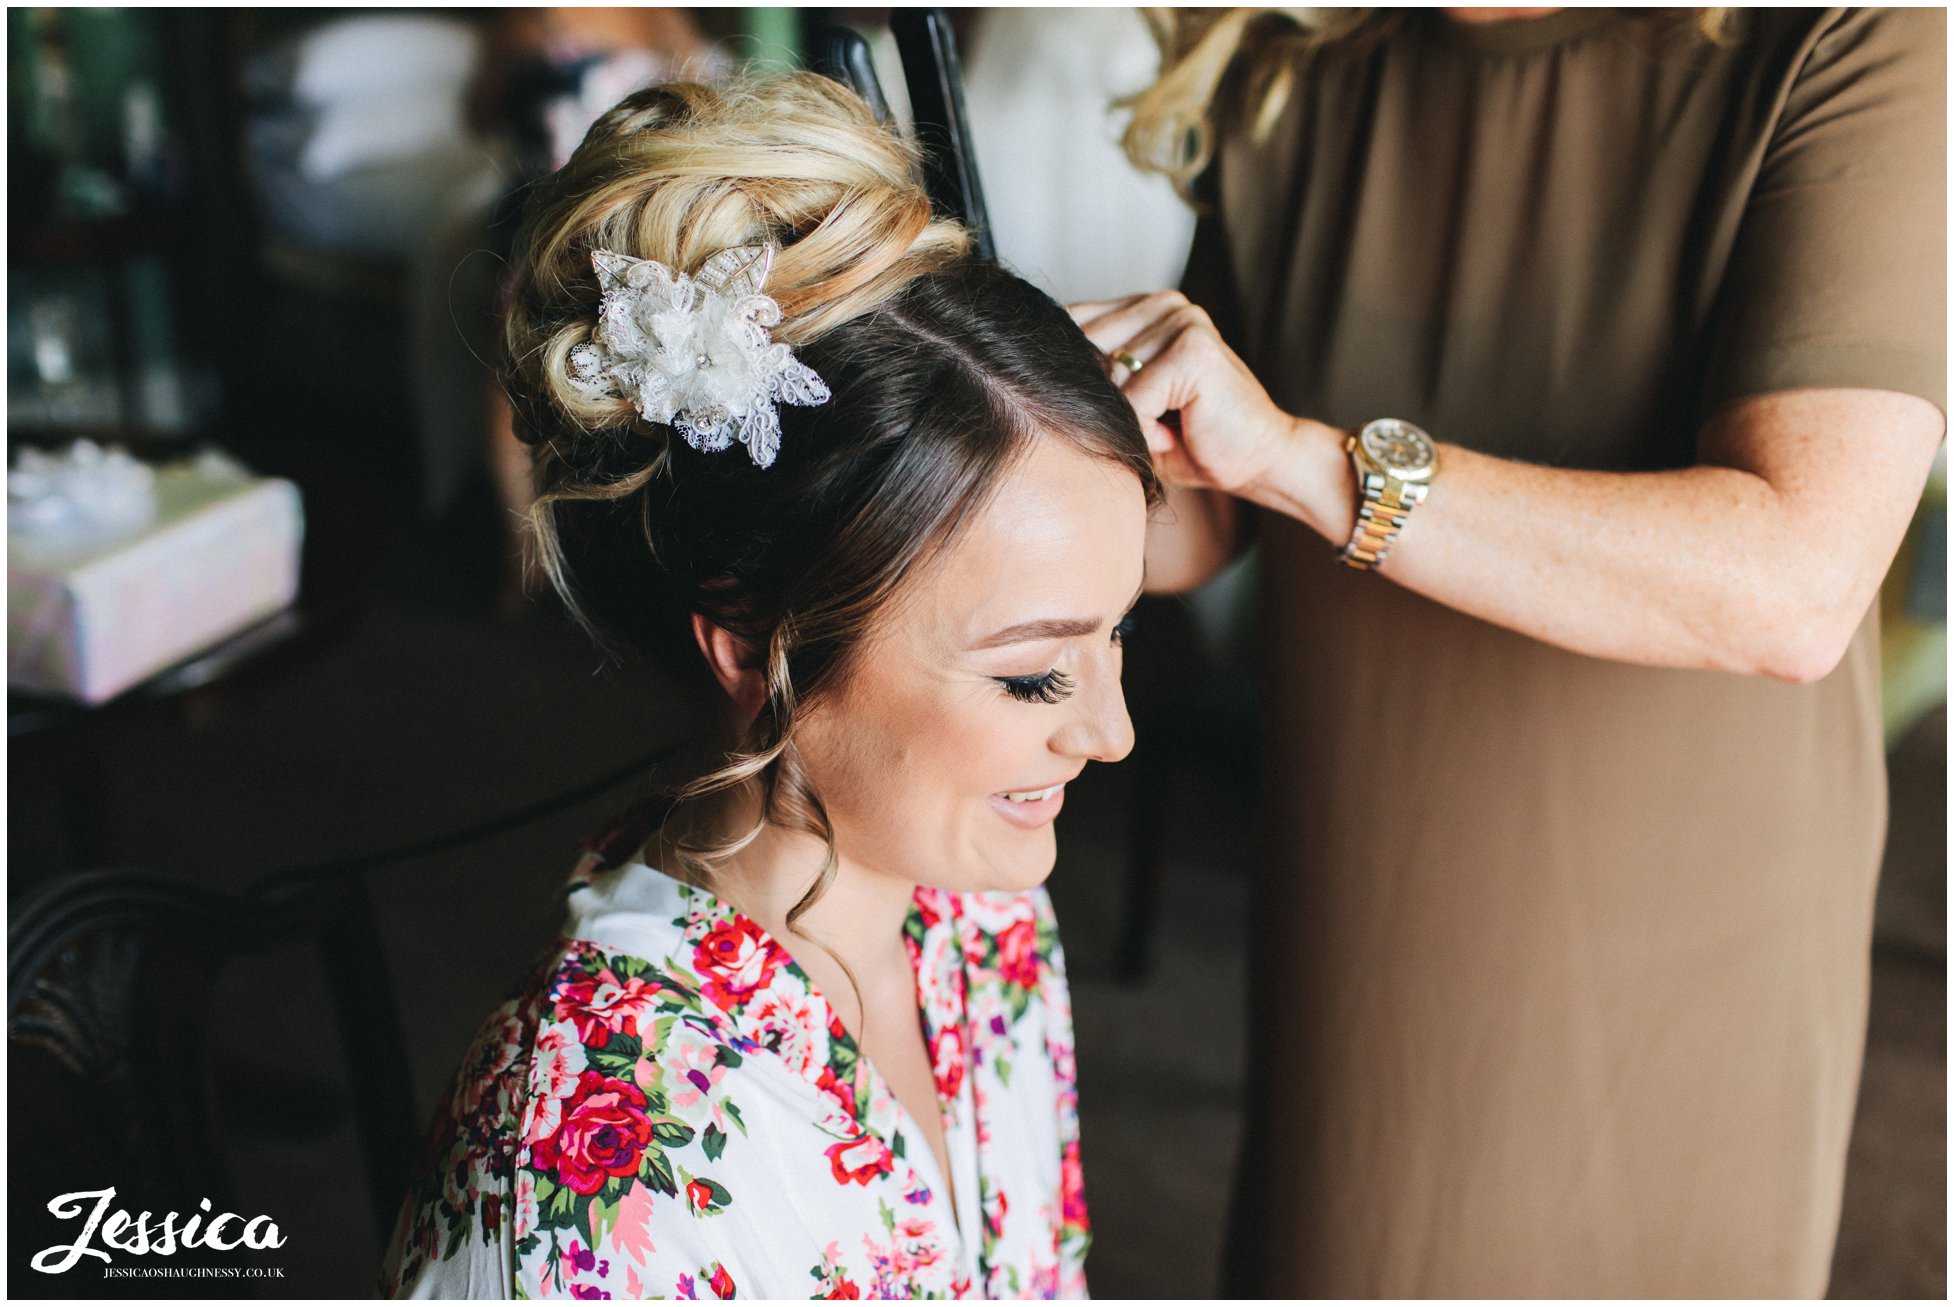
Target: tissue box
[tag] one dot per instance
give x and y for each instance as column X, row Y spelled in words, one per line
column 88, row 617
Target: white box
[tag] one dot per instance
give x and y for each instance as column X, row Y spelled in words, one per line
column 89, row 619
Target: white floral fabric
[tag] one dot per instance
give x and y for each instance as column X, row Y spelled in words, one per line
column 669, row 1108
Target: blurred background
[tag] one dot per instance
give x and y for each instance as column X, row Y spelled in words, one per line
column 298, row 764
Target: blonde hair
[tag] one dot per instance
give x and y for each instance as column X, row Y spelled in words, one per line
column 942, row 368
column 681, row 171
column 676, row 173
column 1174, row 121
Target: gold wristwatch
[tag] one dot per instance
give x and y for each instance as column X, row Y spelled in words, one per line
column 1395, row 463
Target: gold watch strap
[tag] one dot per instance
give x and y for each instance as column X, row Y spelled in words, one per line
column 1380, row 516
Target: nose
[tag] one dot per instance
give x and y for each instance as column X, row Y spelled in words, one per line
column 1099, row 727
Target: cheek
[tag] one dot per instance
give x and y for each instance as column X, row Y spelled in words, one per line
column 913, row 760
column 983, row 743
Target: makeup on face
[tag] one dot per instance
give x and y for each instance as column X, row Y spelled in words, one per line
column 946, row 758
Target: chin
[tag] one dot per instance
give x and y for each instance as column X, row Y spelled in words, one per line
column 1016, row 870
column 989, row 862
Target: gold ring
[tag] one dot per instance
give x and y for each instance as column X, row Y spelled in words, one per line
column 1127, row 361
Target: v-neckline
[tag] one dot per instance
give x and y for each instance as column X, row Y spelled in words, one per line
column 930, row 910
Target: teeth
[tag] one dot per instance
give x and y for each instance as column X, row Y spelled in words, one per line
column 1033, row 796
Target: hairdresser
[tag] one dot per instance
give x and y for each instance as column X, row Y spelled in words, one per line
column 1579, row 371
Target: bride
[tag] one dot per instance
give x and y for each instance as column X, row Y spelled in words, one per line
column 881, row 501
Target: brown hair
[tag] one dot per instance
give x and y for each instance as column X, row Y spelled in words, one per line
column 943, row 370
column 1172, row 130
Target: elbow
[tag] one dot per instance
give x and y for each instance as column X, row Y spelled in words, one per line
column 1806, row 662
column 1807, row 648
column 1794, row 623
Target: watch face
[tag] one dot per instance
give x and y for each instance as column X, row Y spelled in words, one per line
column 1400, row 448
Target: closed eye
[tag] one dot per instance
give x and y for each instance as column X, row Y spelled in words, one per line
column 1054, row 685
column 1046, row 687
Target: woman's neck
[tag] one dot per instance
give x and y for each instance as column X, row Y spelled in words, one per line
column 859, row 916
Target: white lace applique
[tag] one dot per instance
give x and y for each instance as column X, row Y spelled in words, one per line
column 696, row 352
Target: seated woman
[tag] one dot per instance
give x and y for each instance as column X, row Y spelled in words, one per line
column 881, row 500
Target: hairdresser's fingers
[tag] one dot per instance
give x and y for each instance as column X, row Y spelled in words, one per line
column 1153, row 339
column 1119, row 323
column 1170, row 459
column 1084, row 311
column 1228, row 427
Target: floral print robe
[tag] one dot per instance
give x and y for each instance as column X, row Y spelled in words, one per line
column 668, row 1108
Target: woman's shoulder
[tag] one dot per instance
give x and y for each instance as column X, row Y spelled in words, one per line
column 597, row 1089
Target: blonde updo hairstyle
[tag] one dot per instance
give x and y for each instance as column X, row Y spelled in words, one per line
column 943, row 368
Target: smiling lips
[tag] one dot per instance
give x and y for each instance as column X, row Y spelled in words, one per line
column 1030, row 808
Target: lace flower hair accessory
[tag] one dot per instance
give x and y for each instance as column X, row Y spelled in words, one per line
column 696, row 352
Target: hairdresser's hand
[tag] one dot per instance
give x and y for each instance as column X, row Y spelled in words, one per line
column 1207, row 419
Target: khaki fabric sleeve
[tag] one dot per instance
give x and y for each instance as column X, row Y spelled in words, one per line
column 1838, row 276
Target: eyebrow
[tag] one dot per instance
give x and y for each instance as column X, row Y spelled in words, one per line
column 1049, row 628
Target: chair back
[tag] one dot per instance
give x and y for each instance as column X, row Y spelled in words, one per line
column 111, row 994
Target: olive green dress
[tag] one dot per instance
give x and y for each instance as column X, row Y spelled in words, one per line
column 1562, row 964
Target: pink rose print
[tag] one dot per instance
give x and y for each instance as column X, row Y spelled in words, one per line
column 572, row 1081
column 1072, row 1188
column 601, row 1004
column 559, row 1066
column 834, row 1283
column 859, row 1160
column 946, row 1061
column 604, row 1134
column 734, row 961
column 694, row 1073
column 527, row 1213
column 706, row 1196
column 843, row 1091
column 1017, row 954
column 498, row 1054
column 994, row 1206
column 793, row 1029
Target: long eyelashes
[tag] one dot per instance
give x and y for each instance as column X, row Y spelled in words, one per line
column 1052, row 686
column 1046, row 687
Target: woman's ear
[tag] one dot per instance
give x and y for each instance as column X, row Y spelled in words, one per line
column 739, row 668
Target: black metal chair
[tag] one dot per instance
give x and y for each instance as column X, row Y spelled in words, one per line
column 110, row 979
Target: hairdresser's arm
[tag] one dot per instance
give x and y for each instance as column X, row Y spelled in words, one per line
column 1192, row 536
column 1762, row 558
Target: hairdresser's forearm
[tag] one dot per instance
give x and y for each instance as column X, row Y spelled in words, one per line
column 1703, row 567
